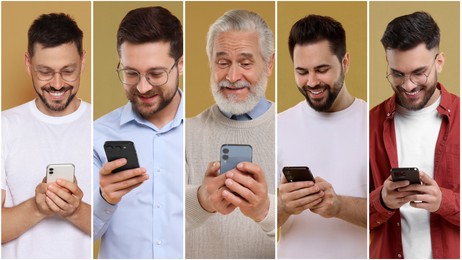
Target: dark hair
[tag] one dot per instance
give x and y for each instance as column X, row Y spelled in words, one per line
column 408, row 31
column 315, row 28
column 151, row 24
column 51, row 30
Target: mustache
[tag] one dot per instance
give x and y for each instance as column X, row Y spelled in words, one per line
column 412, row 90
column 150, row 93
column 238, row 84
column 315, row 88
column 51, row 88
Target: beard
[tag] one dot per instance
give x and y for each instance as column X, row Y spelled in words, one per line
column 231, row 103
column 415, row 105
column 56, row 105
column 146, row 110
column 324, row 104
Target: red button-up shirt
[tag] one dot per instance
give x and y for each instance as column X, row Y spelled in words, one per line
column 385, row 225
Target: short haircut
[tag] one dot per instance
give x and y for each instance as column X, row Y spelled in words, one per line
column 52, row 30
column 242, row 20
column 149, row 25
column 408, row 31
column 315, row 28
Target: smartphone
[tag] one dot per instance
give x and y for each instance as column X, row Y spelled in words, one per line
column 232, row 154
column 60, row 171
column 122, row 149
column 408, row 173
column 297, row 173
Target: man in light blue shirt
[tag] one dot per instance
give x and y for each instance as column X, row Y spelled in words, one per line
column 138, row 213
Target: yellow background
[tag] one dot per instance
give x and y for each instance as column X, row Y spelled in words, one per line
column 108, row 91
column 353, row 17
column 446, row 15
column 16, row 19
column 199, row 17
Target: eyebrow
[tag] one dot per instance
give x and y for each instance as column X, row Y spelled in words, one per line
column 241, row 55
column 152, row 68
column 322, row 66
column 419, row 69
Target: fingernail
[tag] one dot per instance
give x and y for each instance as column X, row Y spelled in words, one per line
column 214, row 163
column 59, row 181
column 225, row 193
column 240, row 165
column 229, row 182
column 229, row 174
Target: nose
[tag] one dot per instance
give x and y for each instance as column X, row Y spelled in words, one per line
column 143, row 86
column 408, row 85
column 57, row 81
column 234, row 74
column 312, row 80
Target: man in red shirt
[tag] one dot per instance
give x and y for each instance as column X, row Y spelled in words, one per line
column 419, row 126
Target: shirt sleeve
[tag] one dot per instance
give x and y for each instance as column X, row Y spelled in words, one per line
column 268, row 223
column 102, row 210
column 378, row 214
column 450, row 206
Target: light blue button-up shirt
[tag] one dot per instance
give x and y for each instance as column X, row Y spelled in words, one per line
column 148, row 221
column 262, row 106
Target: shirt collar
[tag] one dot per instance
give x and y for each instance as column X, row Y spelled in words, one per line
column 262, row 106
column 130, row 115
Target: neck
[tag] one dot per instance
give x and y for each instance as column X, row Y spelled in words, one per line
column 343, row 100
column 167, row 114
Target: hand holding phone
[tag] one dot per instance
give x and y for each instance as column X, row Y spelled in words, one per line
column 233, row 154
column 297, row 173
column 121, row 149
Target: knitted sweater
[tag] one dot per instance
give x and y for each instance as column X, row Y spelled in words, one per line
column 212, row 235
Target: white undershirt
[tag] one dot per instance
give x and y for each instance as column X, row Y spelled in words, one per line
column 416, row 136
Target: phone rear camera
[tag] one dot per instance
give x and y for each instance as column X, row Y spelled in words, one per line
column 124, row 147
column 226, row 150
column 118, row 147
column 225, row 157
column 51, row 169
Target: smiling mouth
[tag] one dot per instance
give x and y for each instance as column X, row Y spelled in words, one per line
column 412, row 93
column 54, row 93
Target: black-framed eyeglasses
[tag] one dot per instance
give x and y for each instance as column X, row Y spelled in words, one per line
column 66, row 75
column 398, row 79
column 155, row 77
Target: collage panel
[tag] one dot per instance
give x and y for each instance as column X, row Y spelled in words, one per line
column 414, row 130
column 322, row 130
column 46, row 130
column 138, row 130
column 230, row 142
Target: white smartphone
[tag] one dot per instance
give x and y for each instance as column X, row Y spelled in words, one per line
column 60, row 171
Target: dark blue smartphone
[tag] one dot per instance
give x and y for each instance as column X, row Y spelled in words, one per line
column 232, row 154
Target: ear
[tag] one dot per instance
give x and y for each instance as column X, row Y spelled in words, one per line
column 28, row 63
column 440, row 59
column 83, row 61
column 180, row 65
column 269, row 68
column 346, row 63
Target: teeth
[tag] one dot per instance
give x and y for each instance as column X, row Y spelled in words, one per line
column 316, row 92
column 412, row 93
column 56, row 94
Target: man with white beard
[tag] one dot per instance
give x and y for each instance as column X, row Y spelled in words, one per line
column 232, row 214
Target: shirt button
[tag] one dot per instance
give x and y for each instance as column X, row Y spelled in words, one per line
column 378, row 222
column 397, row 223
column 158, row 205
column 158, row 170
column 159, row 242
column 107, row 212
column 399, row 255
column 449, row 110
column 388, row 114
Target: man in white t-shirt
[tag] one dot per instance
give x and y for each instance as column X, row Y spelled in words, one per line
column 40, row 219
column 327, row 217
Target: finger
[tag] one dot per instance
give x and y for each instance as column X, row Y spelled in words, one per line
column 293, row 186
column 426, row 180
column 297, row 194
column 127, row 183
column 110, row 166
column 60, row 202
column 212, row 169
column 310, row 201
column 51, row 205
column 417, row 188
column 70, row 186
column 61, row 193
column 123, row 175
column 254, row 170
column 243, row 191
column 393, row 185
column 232, row 198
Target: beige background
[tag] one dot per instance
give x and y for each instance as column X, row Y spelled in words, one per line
column 108, row 91
column 446, row 15
column 16, row 20
column 353, row 17
column 199, row 17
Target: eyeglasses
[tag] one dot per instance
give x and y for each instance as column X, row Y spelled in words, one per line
column 398, row 79
column 155, row 77
column 66, row 75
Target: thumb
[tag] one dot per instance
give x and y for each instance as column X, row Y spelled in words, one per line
column 212, row 169
column 425, row 178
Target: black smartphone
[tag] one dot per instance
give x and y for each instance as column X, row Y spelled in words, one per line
column 407, row 173
column 122, row 149
column 232, row 154
column 297, row 173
